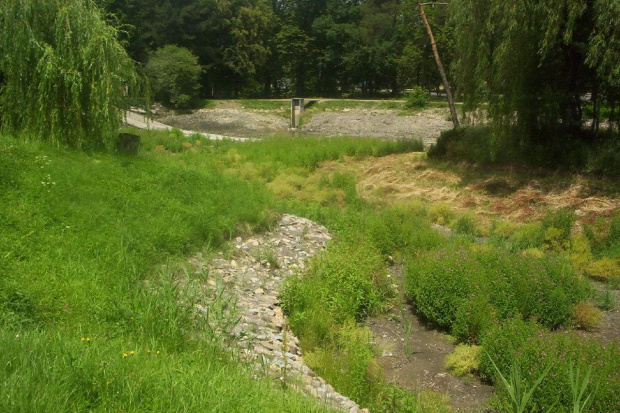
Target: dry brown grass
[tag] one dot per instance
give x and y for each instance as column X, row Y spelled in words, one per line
column 490, row 195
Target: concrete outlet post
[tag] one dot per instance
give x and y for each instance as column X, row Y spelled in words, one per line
column 297, row 108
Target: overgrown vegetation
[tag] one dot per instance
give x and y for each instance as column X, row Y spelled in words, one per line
column 89, row 318
column 577, row 152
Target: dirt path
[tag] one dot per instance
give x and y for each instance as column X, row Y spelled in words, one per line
column 413, row 357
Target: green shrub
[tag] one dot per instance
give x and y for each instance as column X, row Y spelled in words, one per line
column 534, row 350
column 580, row 252
column 528, row 236
column 586, row 315
column 416, row 98
column 348, row 363
column 464, row 290
column 557, row 227
column 349, row 282
column 174, row 74
column 465, row 224
column 440, row 213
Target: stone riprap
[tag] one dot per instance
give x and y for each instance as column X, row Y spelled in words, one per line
column 255, row 275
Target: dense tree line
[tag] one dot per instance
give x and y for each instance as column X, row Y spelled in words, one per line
column 285, row 47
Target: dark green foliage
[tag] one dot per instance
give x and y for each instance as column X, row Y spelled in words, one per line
column 534, row 350
column 514, row 67
column 66, row 74
column 174, row 74
column 465, row 290
column 576, row 152
column 416, row 98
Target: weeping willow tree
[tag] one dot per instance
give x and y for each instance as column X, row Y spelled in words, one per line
column 66, row 77
column 536, row 61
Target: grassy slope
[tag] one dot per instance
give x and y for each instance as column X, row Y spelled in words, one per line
column 82, row 236
column 85, row 304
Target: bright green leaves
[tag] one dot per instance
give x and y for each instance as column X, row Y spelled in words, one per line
column 67, row 77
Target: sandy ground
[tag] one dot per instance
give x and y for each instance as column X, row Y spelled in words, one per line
column 140, row 121
column 233, row 120
column 386, row 124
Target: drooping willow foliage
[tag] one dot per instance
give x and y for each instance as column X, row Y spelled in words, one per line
column 66, row 76
column 538, row 62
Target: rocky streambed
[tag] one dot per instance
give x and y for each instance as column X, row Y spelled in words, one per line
column 255, row 274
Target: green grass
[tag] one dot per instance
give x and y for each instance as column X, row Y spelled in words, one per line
column 93, row 245
column 83, row 240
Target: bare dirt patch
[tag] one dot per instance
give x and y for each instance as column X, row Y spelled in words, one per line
column 413, row 357
column 231, row 118
column 230, row 121
column 386, row 124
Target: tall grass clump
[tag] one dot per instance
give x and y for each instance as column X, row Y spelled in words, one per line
column 66, row 74
column 467, row 290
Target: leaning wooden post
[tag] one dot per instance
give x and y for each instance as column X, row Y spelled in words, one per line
column 442, row 72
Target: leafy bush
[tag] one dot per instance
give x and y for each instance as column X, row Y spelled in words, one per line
column 465, row 291
column 440, row 213
column 533, row 350
column 557, row 228
column 586, row 315
column 465, row 224
column 349, row 282
column 174, row 73
column 416, row 98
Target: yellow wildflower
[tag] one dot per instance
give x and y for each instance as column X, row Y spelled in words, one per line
column 124, row 355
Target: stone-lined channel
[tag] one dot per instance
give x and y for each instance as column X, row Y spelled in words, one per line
column 255, row 275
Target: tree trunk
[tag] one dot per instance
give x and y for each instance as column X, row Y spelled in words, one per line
column 442, row 72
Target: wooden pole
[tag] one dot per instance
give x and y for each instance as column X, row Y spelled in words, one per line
column 442, row 72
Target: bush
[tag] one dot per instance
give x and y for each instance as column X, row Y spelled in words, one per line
column 464, row 291
column 174, row 73
column 605, row 269
column 465, row 224
column 586, row 315
column 416, row 98
column 440, row 213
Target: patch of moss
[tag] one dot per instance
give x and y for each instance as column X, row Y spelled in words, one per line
column 606, row 269
column 464, row 361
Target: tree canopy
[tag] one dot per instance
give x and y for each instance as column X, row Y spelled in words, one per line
column 66, row 76
column 286, row 47
column 536, row 62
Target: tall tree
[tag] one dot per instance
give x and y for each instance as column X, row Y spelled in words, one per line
column 67, row 75
column 535, row 60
